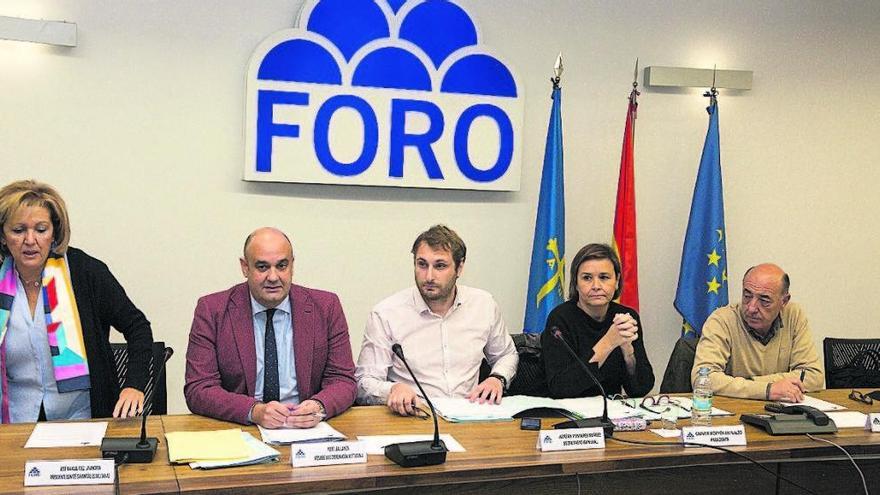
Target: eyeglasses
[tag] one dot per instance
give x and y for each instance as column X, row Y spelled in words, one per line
column 860, row 397
column 661, row 400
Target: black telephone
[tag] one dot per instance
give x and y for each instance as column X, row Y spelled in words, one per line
column 818, row 417
column 790, row 420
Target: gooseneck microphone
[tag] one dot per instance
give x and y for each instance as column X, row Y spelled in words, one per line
column 424, row 453
column 137, row 450
column 602, row 422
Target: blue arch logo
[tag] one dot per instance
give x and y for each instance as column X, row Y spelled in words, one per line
column 386, row 93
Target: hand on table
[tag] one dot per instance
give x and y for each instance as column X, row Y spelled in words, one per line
column 306, row 414
column 130, row 403
column 490, row 390
column 403, row 400
column 271, row 415
column 787, row 390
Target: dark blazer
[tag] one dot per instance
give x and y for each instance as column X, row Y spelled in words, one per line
column 102, row 303
column 221, row 361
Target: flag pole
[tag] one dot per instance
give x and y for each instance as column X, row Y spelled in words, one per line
column 546, row 286
column 712, row 93
column 624, row 233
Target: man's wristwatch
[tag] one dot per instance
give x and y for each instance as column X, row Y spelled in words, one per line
column 322, row 411
column 500, row 379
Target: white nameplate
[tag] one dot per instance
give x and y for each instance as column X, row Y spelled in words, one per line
column 326, row 453
column 69, row 472
column 714, row 435
column 873, row 422
column 571, row 439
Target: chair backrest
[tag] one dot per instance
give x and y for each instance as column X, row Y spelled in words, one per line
column 852, row 363
column 155, row 395
column 677, row 378
column 530, row 376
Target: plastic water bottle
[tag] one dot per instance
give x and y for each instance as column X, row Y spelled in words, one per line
column 701, row 408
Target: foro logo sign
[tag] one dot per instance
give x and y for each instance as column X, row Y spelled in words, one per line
column 382, row 92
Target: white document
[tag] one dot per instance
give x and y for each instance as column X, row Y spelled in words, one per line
column 375, row 444
column 322, row 432
column 85, row 434
column 674, row 433
column 848, row 419
column 457, row 409
column 682, row 406
column 592, row 407
column 817, row 403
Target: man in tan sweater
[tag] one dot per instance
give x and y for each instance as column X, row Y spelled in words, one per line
column 762, row 347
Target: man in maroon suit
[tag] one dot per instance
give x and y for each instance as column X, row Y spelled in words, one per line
column 267, row 351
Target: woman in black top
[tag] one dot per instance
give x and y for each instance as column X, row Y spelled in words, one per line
column 606, row 335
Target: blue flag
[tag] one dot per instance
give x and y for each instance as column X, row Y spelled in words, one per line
column 547, row 271
column 702, row 280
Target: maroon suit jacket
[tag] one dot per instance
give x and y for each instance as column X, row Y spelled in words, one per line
column 221, row 360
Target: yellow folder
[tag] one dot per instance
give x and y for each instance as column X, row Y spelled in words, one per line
column 195, row 446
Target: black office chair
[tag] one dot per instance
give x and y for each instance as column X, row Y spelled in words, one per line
column 530, row 376
column 677, row 378
column 155, row 395
column 852, row 363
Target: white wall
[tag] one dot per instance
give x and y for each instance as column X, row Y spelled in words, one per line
column 140, row 127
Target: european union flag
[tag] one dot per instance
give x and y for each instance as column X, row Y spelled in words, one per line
column 702, row 280
column 547, row 271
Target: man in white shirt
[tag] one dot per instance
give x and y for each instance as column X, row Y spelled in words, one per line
column 445, row 330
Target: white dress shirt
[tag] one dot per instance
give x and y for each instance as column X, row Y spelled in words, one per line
column 444, row 352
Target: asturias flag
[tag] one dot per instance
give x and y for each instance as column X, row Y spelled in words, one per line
column 547, row 271
column 625, row 213
column 702, row 281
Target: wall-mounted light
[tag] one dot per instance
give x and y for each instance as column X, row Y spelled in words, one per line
column 686, row 77
column 38, row 31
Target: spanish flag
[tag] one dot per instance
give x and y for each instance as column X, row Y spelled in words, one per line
column 625, row 213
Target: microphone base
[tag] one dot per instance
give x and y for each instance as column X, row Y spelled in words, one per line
column 414, row 454
column 117, row 448
column 606, row 425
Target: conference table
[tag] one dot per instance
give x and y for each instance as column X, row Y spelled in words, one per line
column 499, row 458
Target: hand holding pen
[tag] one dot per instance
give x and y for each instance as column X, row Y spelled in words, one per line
column 306, row 414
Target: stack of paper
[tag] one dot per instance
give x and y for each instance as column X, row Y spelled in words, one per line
column 592, row 407
column 213, row 449
column 819, row 404
column 375, row 444
column 67, row 435
column 322, row 432
column 260, row 454
column 460, row 409
column 681, row 405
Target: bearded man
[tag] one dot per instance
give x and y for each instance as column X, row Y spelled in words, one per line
column 445, row 329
